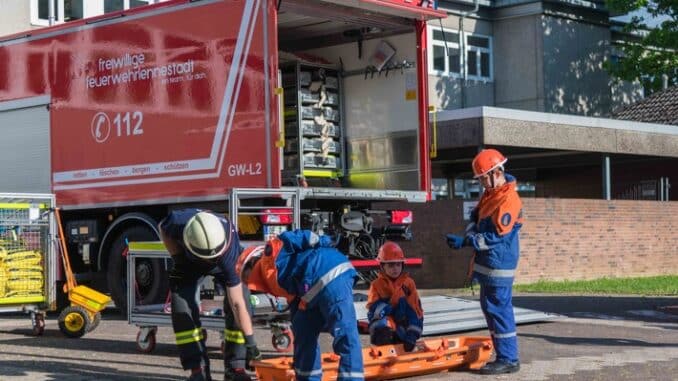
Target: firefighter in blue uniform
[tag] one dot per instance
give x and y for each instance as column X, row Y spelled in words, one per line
column 322, row 280
column 493, row 233
column 202, row 244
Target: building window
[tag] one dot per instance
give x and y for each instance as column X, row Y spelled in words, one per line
column 440, row 189
column 69, row 10
column 478, row 57
column 444, row 58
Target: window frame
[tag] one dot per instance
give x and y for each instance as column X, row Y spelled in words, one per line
column 450, row 45
column 478, row 50
column 91, row 8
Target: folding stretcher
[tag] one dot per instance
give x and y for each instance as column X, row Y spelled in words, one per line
column 391, row 361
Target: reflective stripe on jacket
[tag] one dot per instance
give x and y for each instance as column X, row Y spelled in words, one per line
column 498, row 221
column 307, row 266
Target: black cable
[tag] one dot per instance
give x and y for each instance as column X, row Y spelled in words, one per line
column 442, row 31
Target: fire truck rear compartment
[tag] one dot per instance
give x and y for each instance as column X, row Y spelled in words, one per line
column 368, row 134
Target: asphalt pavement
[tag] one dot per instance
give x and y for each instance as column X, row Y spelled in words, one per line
column 598, row 338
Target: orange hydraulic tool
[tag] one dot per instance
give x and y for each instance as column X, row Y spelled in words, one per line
column 387, row 362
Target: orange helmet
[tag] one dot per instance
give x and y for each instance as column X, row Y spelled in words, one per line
column 250, row 253
column 487, row 160
column 390, row 252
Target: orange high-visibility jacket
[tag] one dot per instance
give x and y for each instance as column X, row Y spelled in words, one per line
column 264, row 275
column 385, row 288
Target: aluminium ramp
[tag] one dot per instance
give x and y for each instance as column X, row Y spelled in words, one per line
column 447, row 314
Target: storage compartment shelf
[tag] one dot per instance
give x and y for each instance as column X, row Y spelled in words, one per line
column 311, row 128
column 312, row 160
column 312, row 117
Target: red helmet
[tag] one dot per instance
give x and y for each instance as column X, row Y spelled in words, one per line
column 487, row 160
column 390, row 252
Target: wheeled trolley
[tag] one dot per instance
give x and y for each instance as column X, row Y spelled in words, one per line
column 149, row 317
column 27, row 256
column 84, row 312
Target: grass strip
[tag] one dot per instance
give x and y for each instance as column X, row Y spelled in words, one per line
column 657, row 285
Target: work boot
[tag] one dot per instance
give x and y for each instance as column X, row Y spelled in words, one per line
column 500, row 367
column 236, row 375
column 199, row 374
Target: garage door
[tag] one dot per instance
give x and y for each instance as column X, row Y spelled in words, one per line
column 24, row 146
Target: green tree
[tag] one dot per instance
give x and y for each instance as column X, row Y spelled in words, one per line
column 651, row 51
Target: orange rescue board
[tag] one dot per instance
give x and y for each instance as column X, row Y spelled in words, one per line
column 391, row 361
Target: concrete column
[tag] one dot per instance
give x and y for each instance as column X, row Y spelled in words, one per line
column 607, row 187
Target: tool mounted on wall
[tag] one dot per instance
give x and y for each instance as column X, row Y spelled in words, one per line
column 370, row 70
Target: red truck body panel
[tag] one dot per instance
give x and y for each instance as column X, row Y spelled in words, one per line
column 168, row 102
column 173, row 95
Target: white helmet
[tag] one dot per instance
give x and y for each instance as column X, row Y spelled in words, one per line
column 205, row 236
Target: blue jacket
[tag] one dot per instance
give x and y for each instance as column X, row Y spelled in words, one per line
column 498, row 218
column 309, row 267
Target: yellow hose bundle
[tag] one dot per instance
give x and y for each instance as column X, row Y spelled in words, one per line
column 3, row 281
column 24, row 257
column 26, row 293
column 23, row 265
column 32, row 284
column 23, row 273
column 3, row 252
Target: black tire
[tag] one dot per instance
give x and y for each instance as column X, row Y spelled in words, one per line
column 151, row 276
column 39, row 325
column 95, row 322
column 283, row 342
column 148, row 345
column 74, row 321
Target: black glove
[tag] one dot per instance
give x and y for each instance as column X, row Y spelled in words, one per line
column 252, row 352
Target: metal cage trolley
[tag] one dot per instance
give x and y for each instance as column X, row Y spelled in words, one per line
column 149, row 317
column 28, row 263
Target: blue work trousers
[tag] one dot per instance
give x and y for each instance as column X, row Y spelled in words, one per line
column 495, row 302
column 338, row 318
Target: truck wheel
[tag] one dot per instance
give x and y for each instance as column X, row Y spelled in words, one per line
column 151, row 277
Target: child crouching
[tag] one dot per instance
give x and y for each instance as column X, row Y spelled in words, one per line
column 394, row 309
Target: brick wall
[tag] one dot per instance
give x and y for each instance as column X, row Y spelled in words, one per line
column 562, row 239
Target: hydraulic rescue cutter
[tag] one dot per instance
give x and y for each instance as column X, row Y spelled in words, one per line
column 392, row 361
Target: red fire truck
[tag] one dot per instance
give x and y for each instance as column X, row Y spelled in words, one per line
column 280, row 113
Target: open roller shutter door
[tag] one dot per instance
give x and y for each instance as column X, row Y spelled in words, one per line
column 24, row 150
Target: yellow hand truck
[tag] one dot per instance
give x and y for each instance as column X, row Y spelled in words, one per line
column 84, row 313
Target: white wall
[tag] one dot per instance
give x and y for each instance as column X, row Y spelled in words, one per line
column 15, row 16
